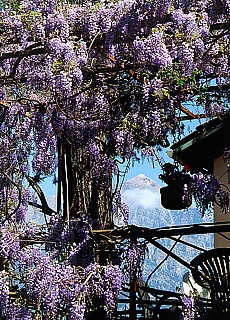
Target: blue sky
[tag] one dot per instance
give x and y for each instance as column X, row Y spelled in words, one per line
column 147, row 169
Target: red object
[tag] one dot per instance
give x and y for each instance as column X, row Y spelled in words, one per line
column 186, row 167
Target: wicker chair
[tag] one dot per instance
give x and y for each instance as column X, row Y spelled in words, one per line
column 211, row 270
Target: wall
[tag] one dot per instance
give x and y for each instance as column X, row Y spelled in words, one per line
column 220, row 171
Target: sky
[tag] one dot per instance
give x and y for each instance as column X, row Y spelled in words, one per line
column 145, row 167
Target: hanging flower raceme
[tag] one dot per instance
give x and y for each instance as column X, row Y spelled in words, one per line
column 207, row 191
column 9, row 243
column 189, row 311
column 4, row 289
column 132, row 255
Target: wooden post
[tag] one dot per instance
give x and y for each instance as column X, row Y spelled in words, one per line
column 133, row 289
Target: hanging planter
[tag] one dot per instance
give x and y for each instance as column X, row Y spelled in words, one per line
column 174, row 195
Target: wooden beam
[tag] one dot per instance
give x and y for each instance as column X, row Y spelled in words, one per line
column 165, row 232
column 187, row 112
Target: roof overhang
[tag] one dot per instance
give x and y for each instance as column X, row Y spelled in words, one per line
column 199, row 149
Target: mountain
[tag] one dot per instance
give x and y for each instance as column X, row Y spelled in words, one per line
column 142, row 195
column 142, row 182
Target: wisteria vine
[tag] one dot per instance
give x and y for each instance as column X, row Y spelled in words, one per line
column 85, row 86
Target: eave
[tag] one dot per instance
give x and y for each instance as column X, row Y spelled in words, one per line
column 199, row 149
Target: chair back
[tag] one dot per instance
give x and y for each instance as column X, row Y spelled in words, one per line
column 211, row 269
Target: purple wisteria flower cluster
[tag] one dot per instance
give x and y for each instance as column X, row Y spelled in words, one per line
column 189, row 309
column 132, row 256
column 75, row 235
column 193, row 308
column 207, row 191
column 48, row 285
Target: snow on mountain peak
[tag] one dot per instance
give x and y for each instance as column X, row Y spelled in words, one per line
column 141, row 181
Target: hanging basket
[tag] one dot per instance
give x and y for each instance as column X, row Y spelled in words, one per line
column 172, row 197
